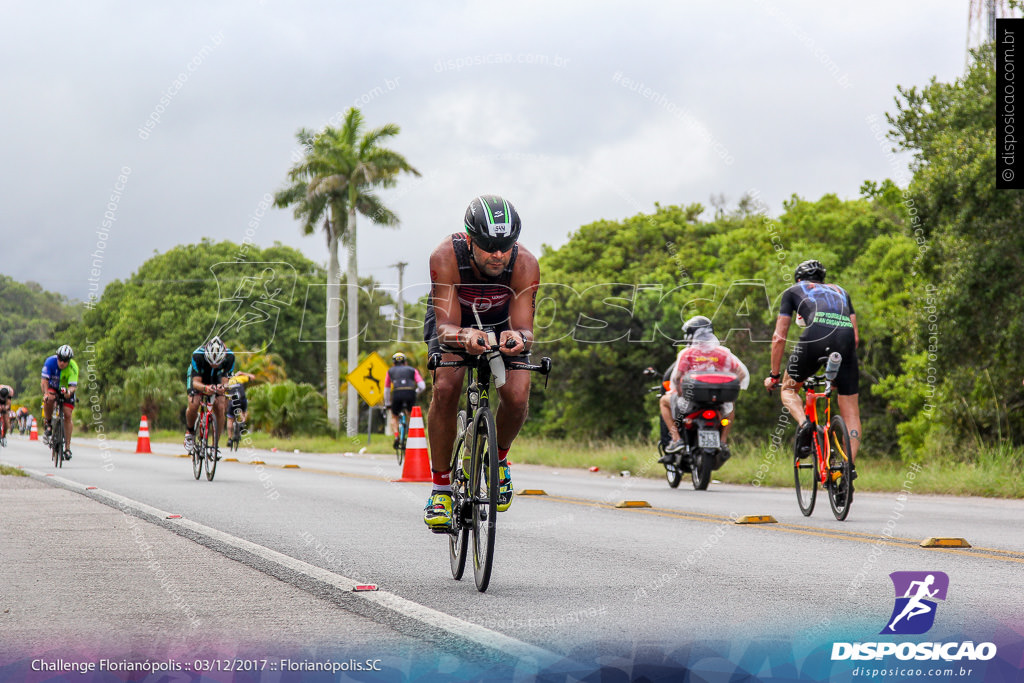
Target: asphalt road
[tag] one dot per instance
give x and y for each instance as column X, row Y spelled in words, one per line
column 575, row 577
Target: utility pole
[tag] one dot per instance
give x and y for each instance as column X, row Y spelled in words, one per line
column 401, row 302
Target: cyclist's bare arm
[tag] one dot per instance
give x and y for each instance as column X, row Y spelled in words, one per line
column 856, row 332
column 197, row 384
column 524, row 283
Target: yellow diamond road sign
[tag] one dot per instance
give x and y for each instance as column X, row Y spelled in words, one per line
column 368, row 378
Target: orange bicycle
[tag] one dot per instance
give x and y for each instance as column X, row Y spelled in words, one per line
column 829, row 462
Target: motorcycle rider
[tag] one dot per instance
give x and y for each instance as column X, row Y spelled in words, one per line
column 701, row 352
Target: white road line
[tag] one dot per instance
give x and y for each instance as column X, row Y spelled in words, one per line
column 540, row 657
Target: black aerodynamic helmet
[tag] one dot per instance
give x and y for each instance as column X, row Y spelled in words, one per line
column 492, row 223
column 810, row 270
column 692, row 326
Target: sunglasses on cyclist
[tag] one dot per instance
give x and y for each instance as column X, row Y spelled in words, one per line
column 493, row 244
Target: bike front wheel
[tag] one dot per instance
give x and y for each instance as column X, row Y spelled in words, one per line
column 198, row 438
column 57, row 442
column 483, row 485
column 840, row 471
column 210, row 447
column 458, row 538
column 805, row 477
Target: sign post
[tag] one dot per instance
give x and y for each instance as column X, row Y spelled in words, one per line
column 368, row 380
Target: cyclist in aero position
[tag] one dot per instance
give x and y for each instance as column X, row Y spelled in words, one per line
column 702, row 352
column 211, row 365
column 402, row 385
column 60, row 373
column 483, row 269
column 826, row 311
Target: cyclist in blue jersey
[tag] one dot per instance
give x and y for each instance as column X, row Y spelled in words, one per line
column 826, row 313
column 212, row 364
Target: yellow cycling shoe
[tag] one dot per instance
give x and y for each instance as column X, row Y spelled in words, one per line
column 438, row 512
column 505, row 492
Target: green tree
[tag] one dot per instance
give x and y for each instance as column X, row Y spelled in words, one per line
column 334, row 181
column 150, row 390
column 961, row 377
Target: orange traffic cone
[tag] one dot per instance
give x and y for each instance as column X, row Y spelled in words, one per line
column 417, row 460
column 33, row 434
column 143, row 444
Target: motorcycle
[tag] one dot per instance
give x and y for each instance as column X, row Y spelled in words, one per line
column 701, row 428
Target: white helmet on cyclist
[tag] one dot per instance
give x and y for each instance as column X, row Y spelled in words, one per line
column 215, row 352
column 65, row 353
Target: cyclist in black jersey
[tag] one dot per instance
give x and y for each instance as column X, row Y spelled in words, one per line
column 483, row 269
column 238, row 403
column 826, row 313
column 402, row 384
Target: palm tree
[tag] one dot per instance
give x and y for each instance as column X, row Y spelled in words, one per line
column 332, row 182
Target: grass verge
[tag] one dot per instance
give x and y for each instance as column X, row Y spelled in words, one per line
column 990, row 471
column 12, row 471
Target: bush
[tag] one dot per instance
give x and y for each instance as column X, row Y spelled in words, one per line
column 287, row 408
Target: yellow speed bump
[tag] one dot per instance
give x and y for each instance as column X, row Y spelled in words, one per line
column 184, row 455
column 757, row 519
column 230, row 459
column 291, row 467
column 533, row 492
column 257, row 462
column 632, row 504
column 939, row 542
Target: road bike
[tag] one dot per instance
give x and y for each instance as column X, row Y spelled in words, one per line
column 403, row 436
column 204, row 444
column 828, row 462
column 475, row 457
column 57, row 440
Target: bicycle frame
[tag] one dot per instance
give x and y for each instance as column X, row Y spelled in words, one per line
column 822, row 451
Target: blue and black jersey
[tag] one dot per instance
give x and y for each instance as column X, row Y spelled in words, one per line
column 207, row 373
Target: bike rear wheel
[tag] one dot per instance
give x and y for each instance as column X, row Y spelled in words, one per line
column 458, row 538
column 210, row 447
column 700, row 470
column 840, row 479
column 483, row 485
column 403, row 437
column 805, row 476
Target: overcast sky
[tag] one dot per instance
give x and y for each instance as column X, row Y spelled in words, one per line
column 574, row 111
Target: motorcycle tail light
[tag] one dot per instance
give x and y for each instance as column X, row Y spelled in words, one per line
column 709, row 414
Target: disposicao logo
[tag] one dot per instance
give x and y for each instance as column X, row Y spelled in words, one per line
column 912, row 614
column 916, row 593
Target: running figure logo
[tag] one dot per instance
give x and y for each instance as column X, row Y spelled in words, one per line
column 251, row 298
column 916, row 592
